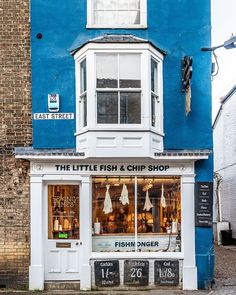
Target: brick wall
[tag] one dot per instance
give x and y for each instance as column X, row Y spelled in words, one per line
column 15, row 130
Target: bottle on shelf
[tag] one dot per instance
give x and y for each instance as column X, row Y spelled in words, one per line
column 56, row 225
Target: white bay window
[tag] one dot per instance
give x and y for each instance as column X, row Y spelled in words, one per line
column 119, row 99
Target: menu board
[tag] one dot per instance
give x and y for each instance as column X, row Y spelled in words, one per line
column 166, row 272
column 136, row 272
column 203, row 203
column 107, row 273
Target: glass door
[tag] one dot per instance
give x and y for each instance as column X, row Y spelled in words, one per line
column 63, row 232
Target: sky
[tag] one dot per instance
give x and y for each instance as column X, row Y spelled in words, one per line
column 223, row 13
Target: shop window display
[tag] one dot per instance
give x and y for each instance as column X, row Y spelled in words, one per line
column 63, row 212
column 132, row 211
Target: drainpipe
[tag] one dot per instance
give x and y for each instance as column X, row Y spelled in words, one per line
column 219, row 180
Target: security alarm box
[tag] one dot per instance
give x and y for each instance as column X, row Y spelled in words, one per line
column 53, row 102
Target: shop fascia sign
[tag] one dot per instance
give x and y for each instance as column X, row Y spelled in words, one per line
column 112, row 168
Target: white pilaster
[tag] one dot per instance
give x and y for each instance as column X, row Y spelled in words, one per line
column 36, row 269
column 188, row 234
column 85, row 233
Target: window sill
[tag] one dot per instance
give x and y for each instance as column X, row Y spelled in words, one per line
column 138, row 27
column 118, row 129
column 144, row 255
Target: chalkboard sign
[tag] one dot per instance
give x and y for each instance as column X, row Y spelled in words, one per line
column 136, row 272
column 107, row 273
column 203, row 203
column 166, row 272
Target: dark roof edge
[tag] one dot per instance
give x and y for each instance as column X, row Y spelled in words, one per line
column 228, row 95
column 223, row 100
column 73, row 51
column 72, row 152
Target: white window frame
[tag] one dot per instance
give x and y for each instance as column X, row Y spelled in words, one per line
column 83, row 94
column 142, row 25
column 146, row 52
column 157, row 97
column 119, row 90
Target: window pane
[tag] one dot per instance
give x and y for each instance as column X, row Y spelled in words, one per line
column 153, row 109
column 159, row 210
column 134, row 17
column 130, row 107
column 98, row 4
column 134, row 4
column 130, row 72
column 107, row 107
column 122, row 17
column 63, row 212
column 83, row 86
column 110, row 17
column 99, row 17
column 113, row 12
column 154, row 76
column 122, row 5
column 110, row 4
column 84, row 101
column 113, row 214
column 107, row 71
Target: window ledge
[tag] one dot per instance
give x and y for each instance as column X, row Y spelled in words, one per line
column 125, row 255
column 116, row 27
column 152, row 130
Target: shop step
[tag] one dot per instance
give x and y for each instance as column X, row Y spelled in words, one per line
column 62, row 285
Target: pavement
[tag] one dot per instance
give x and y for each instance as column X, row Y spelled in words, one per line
column 225, row 281
column 225, row 270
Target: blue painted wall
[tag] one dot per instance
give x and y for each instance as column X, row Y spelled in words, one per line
column 204, row 236
column 179, row 27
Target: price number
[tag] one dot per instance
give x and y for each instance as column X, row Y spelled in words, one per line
column 166, row 273
column 136, row 272
column 105, row 273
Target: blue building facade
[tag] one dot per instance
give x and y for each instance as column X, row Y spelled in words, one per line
column 71, row 128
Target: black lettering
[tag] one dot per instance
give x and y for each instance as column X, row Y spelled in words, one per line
column 57, row 167
column 161, row 167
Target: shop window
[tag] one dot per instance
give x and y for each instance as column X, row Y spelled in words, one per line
column 63, row 212
column 118, row 88
column 122, row 13
column 136, row 214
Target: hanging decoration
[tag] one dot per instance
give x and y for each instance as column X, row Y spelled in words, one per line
column 163, row 200
column 107, row 202
column 124, row 197
column 148, row 205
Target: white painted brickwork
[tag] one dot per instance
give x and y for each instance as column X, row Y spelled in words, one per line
column 225, row 159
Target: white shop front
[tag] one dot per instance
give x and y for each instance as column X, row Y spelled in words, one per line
column 113, row 223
